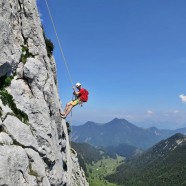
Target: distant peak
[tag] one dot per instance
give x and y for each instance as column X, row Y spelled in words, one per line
column 118, row 120
column 90, row 123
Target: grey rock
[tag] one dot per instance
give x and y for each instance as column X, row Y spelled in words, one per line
column 14, row 167
column 20, row 132
column 5, row 53
column 5, row 110
column 45, row 181
column 19, row 70
column 78, row 175
column 5, row 139
column 36, row 163
column 35, row 70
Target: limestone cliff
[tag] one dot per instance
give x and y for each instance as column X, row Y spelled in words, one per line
column 34, row 144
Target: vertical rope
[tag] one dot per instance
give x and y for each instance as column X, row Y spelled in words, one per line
column 61, row 49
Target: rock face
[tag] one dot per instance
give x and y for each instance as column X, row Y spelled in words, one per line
column 34, row 143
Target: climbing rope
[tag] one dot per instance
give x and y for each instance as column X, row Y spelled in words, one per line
column 64, row 59
column 60, row 46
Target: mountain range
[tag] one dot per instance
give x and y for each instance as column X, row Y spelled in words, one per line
column 120, row 131
column 164, row 164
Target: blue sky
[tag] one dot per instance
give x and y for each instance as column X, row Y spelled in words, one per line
column 129, row 54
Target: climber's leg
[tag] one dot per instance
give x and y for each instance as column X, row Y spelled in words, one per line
column 69, row 107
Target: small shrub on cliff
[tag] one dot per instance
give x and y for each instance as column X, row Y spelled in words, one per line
column 8, row 81
column 7, row 99
column 49, row 45
column 68, row 127
column 5, row 81
column 25, row 54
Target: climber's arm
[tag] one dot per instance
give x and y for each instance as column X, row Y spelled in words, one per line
column 76, row 93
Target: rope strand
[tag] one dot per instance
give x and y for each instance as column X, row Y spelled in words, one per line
column 61, row 50
column 64, row 59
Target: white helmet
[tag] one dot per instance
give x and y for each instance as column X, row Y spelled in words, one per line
column 78, row 84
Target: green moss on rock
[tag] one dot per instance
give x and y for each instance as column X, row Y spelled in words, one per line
column 25, row 54
column 7, row 99
column 5, row 81
column 49, row 45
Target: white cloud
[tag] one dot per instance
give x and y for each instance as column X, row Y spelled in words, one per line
column 150, row 112
column 183, row 98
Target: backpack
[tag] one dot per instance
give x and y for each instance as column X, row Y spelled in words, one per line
column 84, row 96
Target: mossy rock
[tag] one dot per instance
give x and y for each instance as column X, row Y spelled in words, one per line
column 7, row 99
column 5, row 81
column 49, row 45
column 25, row 54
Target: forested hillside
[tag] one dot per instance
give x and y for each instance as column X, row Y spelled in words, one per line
column 162, row 165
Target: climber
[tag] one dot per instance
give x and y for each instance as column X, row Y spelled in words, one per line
column 80, row 96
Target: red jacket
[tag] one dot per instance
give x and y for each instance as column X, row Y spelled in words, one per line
column 83, row 94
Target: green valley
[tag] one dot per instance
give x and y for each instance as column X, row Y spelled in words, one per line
column 97, row 164
column 97, row 171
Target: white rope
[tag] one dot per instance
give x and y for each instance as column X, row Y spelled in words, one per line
column 62, row 53
column 64, row 59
